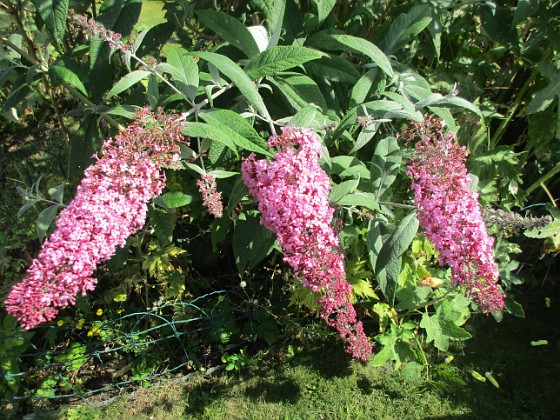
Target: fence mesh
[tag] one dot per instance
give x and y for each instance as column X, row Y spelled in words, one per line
column 73, row 361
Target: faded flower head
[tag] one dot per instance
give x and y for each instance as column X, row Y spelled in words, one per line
column 448, row 211
column 110, row 205
column 97, row 29
column 211, row 198
column 293, row 192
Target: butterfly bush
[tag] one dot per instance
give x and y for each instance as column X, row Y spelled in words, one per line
column 449, row 212
column 110, row 205
column 292, row 191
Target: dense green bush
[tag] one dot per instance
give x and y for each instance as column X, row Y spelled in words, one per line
column 357, row 74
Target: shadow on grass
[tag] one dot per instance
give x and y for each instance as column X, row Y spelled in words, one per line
column 280, row 390
column 528, row 376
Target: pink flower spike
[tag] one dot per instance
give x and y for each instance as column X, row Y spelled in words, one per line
column 448, row 211
column 293, row 194
column 110, row 205
column 211, row 198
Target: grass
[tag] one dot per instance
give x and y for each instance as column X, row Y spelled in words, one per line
column 322, row 382
column 318, row 385
column 152, row 14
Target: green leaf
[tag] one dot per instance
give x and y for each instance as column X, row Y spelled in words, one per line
column 126, row 111
column 45, row 220
column 230, row 30
column 236, row 74
column 163, row 223
column 60, row 75
column 543, row 98
column 175, row 199
column 218, row 173
column 398, row 242
column 57, row 193
column 379, row 233
column 323, row 8
column 120, row 15
column 252, row 242
column 305, row 117
column 127, row 81
column 362, row 288
column 405, row 27
column 372, row 81
column 185, row 71
column 339, row 191
column 27, row 205
column 54, row 14
column 412, row 297
column 385, row 165
column 361, row 46
column 454, row 101
column 239, row 124
column 153, row 91
column 396, row 347
column 549, row 231
column 524, row 10
column 83, row 144
column 207, row 131
column 233, row 136
column 280, row 58
column 440, row 331
column 333, row 68
column 360, row 199
column 19, row 91
column 301, row 91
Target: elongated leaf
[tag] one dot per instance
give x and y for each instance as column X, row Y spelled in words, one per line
column 236, row 74
column 324, row 8
column 385, row 165
column 54, row 14
column 218, row 173
column 185, row 71
column 120, row 15
column 405, row 27
column 207, row 131
column 20, row 90
column 239, row 124
column 279, row 59
column 372, row 81
column 83, row 144
column 153, row 38
column 230, row 30
column 127, row 81
column 334, row 68
column 45, row 220
column 301, row 91
column 60, row 74
column 438, row 100
column 398, row 242
column 232, row 135
column 339, row 191
column 252, row 242
column 27, row 205
column 175, row 199
column 360, row 199
column 361, row 46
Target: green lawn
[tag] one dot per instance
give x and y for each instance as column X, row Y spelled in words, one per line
column 322, row 382
column 152, row 14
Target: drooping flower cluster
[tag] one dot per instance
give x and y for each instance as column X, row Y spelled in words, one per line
column 293, row 191
column 449, row 212
column 110, row 205
column 211, row 198
column 96, row 28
